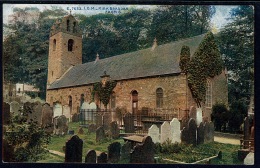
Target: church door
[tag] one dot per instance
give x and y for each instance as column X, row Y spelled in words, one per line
column 134, row 102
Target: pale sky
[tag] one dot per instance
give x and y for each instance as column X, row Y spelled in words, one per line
column 218, row 20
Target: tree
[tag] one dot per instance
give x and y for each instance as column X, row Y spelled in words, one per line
column 220, row 116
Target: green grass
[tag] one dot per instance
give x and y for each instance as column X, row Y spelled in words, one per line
column 51, row 158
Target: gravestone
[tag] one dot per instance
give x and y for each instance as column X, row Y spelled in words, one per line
column 92, row 106
column 211, row 131
column 92, row 128
column 66, row 112
column 125, row 151
column 60, row 125
column 101, row 157
column 193, row 113
column 166, row 132
column 99, row 119
column 84, row 111
column 6, row 113
column 114, row 152
column 154, row 133
column 57, row 110
column 184, row 122
column 85, row 105
column 91, row 156
column 199, row 116
column 129, row 123
column 185, row 135
column 75, row 117
column 14, row 108
column 73, row 149
column 80, row 131
column 143, row 152
column 100, row 134
column 37, row 113
column 115, row 132
column 192, row 129
column 176, row 130
column 249, row 159
column 47, row 114
column 206, row 132
column 106, row 120
column 200, row 134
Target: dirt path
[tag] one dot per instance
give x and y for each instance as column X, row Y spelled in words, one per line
column 227, row 140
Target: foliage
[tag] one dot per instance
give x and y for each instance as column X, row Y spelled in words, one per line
column 104, row 92
column 29, row 140
column 220, row 116
column 205, row 63
column 184, row 58
column 237, row 46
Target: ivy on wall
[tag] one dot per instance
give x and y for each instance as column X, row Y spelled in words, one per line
column 206, row 62
column 103, row 92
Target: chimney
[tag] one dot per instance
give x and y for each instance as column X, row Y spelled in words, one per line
column 154, row 44
column 97, row 58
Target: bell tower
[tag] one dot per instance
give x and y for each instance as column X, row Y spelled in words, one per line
column 65, row 47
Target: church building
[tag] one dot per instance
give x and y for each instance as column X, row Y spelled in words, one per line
column 148, row 78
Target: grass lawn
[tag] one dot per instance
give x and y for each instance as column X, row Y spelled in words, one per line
column 187, row 153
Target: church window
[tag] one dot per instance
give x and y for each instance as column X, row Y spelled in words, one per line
column 68, row 25
column 54, row 44
column 159, row 98
column 19, row 90
column 70, row 45
column 74, row 27
column 208, row 102
column 113, row 100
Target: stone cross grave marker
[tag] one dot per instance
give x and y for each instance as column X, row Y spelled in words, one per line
column 57, row 110
column 200, row 134
column 100, row 134
column 166, row 132
column 91, row 156
column 66, row 112
column 73, row 149
column 14, row 108
column 176, row 130
column 114, row 152
column 6, row 113
column 192, row 128
column 154, row 133
column 114, row 130
column 144, row 152
column 129, row 123
column 101, row 157
column 199, row 116
column 193, row 113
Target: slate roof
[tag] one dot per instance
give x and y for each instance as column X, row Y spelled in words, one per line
column 163, row 60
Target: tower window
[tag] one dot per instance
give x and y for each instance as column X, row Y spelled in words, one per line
column 70, row 45
column 54, row 44
column 159, row 98
column 74, row 27
column 68, row 25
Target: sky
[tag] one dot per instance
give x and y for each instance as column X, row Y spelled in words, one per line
column 218, row 20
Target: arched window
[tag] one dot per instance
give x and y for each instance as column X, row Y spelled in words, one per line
column 208, row 102
column 68, row 25
column 54, row 44
column 134, row 101
column 19, row 90
column 70, row 45
column 113, row 100
column 74, row 27
column 81, row 99
column 159, row 98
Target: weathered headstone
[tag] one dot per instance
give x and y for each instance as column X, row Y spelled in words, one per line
column 100, row 134
column 106, row 120
column 73, row 150
column 200, row 134
column 37, row 113
column 125, row 151
column 115, row 132
column 211, row 131
column 129, row 123
column 92, row 106
column 47, row 114
column 144, row 152
column 101, row 157
column 84, row 115
column 199, row 116
column 57, row 110
column 192, row 128
column 193, row 113
column 60, row 125
column 14, row 108
column 75, row 117
column 250, row 159
column 6, row 113
column 80, row 130
column 91, row 156
column 185, row 135
column 176, row 130
column 66, row 112
column 114, row 152
column 85, row 105
column 92, row 128
column 166, row 132
column 154, row 133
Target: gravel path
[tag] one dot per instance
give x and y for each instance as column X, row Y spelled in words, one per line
column 227, row 140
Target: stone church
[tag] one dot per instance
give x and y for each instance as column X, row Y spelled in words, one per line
column 148, row 78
